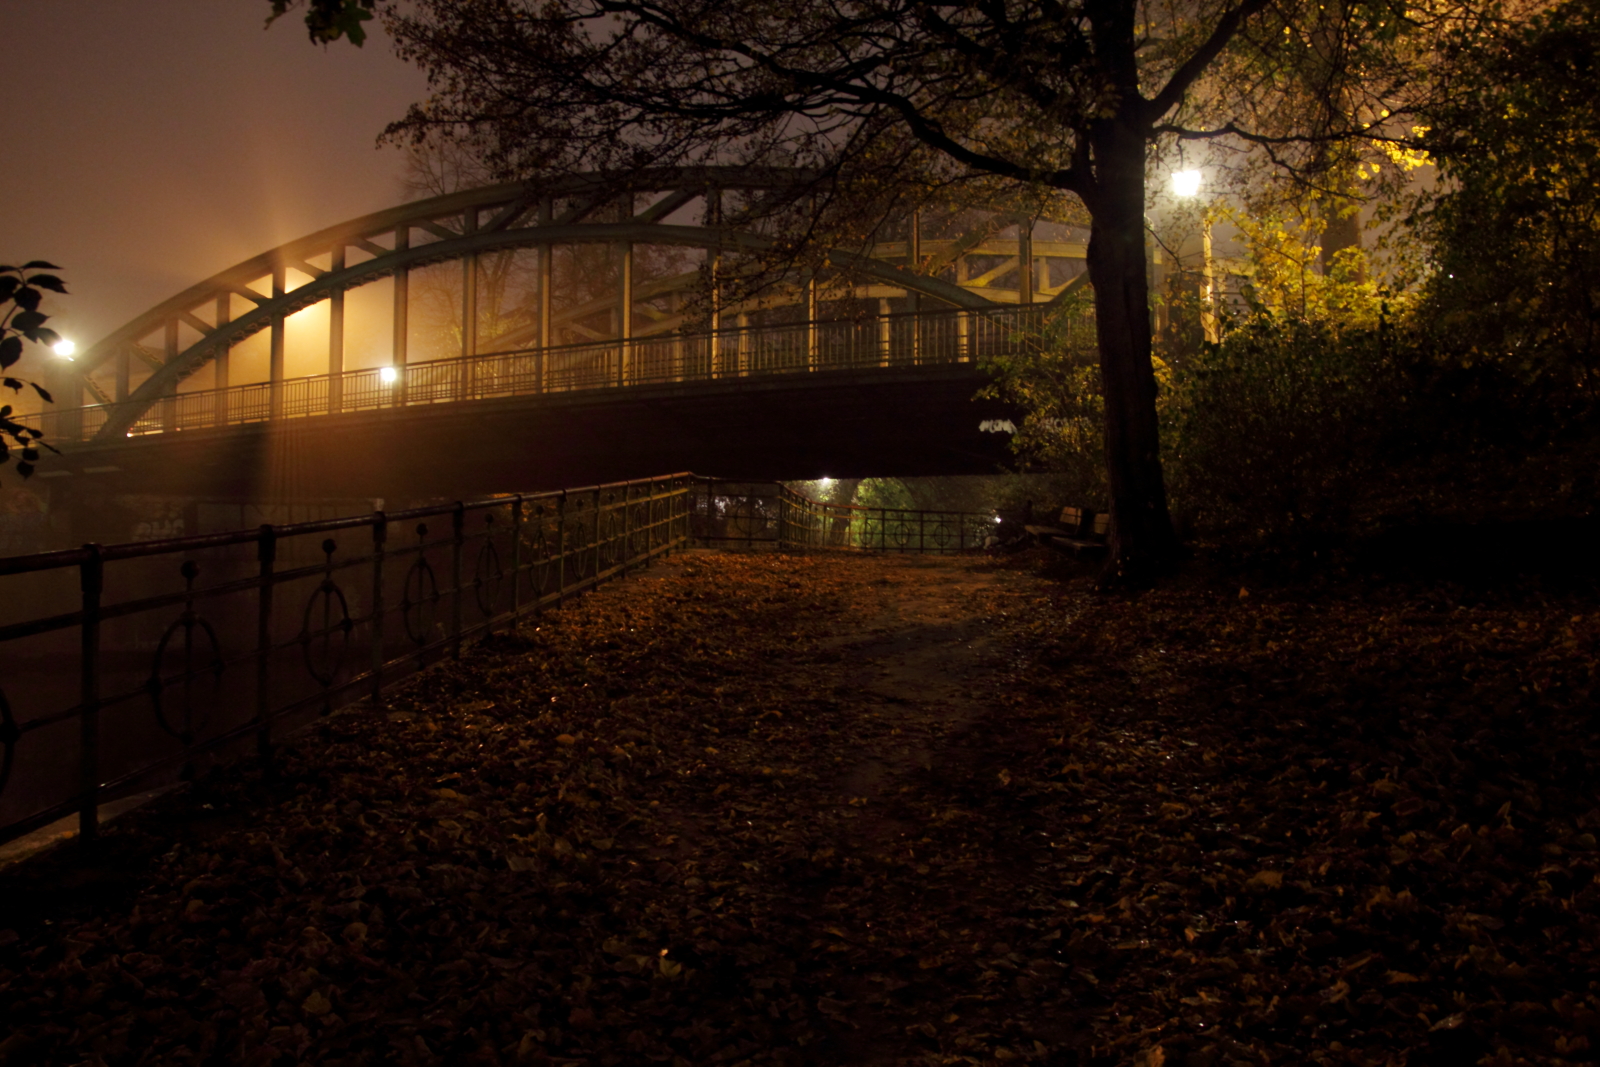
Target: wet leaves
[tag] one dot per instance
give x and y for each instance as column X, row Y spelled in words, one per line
column 767, row 810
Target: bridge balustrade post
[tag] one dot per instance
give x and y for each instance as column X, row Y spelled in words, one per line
column 276, row 355
column 811, row 323
column 91, row 582
column 219, row 365
column 913, row 301
column 169, row 403
column 625, row 311
column 402, row 320
column 336, row 338
column 883, row 331
column 1025, row 268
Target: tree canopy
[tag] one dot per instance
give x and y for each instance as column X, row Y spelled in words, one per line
column 1516, row 228
column 892, row 103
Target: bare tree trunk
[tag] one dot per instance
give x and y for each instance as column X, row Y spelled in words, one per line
column 1342, row 230
column 1142, row 539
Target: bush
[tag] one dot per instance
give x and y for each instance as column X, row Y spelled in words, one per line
column 1271, row 433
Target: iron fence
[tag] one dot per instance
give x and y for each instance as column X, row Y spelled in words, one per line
column 166, row 655
column 184, row 651
column 901, row 340
column 756, row 515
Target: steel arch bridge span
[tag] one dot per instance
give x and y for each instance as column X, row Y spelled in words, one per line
column 168, row 345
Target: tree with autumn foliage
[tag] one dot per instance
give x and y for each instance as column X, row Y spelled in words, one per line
column 886, row 105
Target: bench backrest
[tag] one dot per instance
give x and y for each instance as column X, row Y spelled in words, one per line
column 1081, row 523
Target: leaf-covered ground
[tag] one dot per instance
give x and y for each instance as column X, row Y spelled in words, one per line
column 854, row 811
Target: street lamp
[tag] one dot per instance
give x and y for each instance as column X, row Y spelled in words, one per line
column 1186, row 184
column 64, row 348
column 389, row 375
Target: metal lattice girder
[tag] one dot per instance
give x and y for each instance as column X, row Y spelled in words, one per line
column 499, row 218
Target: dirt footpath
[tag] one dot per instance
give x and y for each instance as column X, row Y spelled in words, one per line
column 857, row 811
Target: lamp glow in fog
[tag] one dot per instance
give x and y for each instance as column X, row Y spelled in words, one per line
column 64, row 348
column 389, row 375
column 1186, row 183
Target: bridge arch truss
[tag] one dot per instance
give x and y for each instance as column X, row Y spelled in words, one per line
column 953, row 295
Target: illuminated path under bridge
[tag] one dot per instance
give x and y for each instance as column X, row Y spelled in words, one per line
column 511, row 337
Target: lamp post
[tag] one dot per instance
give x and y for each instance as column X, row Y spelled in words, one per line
column 1186, row 184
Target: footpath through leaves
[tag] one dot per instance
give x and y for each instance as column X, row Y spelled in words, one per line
column 851, row 811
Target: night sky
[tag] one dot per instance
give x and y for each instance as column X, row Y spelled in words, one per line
column 149, row 145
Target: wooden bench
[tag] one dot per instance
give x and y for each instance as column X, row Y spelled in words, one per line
column 1077, row 531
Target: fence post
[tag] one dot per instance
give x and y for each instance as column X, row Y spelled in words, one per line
column 516, row 559
column 266, row 557
column 458, row 520
column 380, row 534
column 627, row 526
column 597, row 537
column 561, row 549
column 91, row 580
column 922, row 533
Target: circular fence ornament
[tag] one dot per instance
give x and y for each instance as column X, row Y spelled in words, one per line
column 746, row 519
column 539, row 551
column 488, row 575
column 419, row 598
column 578, row 535
column 194, row 708
column 943, row 535
column 611, row 546
column 324, row 649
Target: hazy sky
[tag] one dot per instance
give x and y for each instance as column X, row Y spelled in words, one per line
column 152, row 143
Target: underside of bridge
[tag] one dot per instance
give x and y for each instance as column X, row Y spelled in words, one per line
column 897, row 422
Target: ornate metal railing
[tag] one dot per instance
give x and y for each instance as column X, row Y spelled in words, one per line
column 901, row 340
column 162, row 656
column 184, row 651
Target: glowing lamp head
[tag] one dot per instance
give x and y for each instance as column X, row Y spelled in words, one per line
column 1186, row 183
column 389, row 375
column 825, row 482
column 64, row 348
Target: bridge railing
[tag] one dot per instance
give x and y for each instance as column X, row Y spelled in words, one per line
column 901, row 340
column 125, row 667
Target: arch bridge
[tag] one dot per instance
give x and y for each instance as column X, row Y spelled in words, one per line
column 514, row 336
